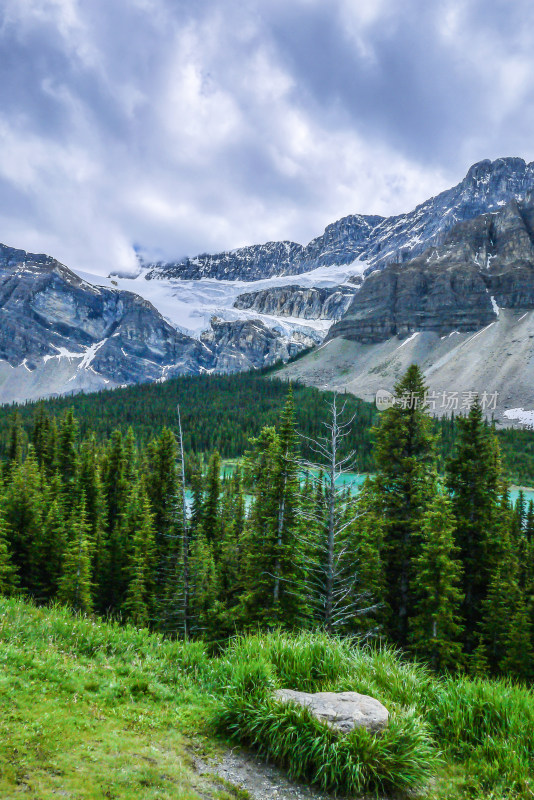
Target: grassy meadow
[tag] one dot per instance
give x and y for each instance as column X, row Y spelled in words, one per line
column 95, row 710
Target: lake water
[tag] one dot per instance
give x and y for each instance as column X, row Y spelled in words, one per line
column 355, row 480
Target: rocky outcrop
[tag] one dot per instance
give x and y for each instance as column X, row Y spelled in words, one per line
column 245, row 263
column 250, row 344
column 299, row 302
column 481, row 266
column 342, row 711
column 376, row 240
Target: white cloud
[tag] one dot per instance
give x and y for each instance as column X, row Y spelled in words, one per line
column 195, row 127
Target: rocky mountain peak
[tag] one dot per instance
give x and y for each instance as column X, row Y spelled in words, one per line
column 373, row 239
column 481, row 265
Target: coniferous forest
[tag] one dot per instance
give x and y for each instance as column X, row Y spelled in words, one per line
column 430, row 555
column 222, row 412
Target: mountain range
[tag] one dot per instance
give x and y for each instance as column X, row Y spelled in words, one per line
column 373, row 239
column 449, row 284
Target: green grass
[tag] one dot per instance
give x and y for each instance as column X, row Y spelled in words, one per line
column 95, row 710
column 91, row 710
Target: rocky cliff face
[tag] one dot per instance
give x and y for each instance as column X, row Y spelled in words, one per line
column 250, row 344
column 481, row 266
column 298, row 302
column 376, row 240
column 47, row 311
column 449, row 265
column 245, row 263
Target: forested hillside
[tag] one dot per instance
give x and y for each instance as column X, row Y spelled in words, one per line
column 222, row 412
column 219, row 412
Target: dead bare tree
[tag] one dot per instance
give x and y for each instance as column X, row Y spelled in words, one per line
column 185, row 536
column 334, row 575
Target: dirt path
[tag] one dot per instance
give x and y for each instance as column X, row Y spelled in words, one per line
column 262, row 781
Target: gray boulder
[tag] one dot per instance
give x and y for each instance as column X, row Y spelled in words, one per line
column 342, row 711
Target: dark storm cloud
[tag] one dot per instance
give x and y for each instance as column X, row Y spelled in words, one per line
column 187, row 126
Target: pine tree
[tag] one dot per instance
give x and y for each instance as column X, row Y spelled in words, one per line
column 176, row 611
column 435, row 628
column 51, row 454
column 402, row 487
column 473, row 478
column 339, row 539
column 7, row 570
column 197, row 491
column 520, row 512
column 138, row 604
column 288, row 567
column 529, row 521
column 75, row 583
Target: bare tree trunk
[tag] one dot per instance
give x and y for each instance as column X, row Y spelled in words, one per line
column 331, row 535
column 185, row 534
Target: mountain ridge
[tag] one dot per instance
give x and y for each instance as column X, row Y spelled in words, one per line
column 373, row 239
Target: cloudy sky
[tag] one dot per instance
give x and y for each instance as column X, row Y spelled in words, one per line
column 185, row 126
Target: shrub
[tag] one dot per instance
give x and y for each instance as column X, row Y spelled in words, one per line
column 402, row 757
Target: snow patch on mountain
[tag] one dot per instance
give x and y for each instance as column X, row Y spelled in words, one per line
column 189, row 305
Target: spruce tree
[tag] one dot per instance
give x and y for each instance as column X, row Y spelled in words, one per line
column 529, row 521
column 115, row 546
column 435, row 627
column 204, row 589
column 16, row 440
column 7, row 570
column 40, row 434
column 502, row 601
column 473, row 479
column 274, row 542
column 210, row 507
column 89, row 485
column 402, row 487
column 50, row 549
column 229, row 560
column 478, row 663
column 163, row 489
column 138, row 604
column 518, row 657
column 68, row 455
column 25, row 511
column 75, row 584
